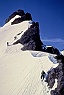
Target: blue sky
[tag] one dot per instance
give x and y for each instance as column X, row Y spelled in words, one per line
column 49, row 14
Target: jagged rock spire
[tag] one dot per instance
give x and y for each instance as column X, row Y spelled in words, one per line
column 24, row 16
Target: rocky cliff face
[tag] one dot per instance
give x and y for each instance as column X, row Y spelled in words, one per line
column 31, row 38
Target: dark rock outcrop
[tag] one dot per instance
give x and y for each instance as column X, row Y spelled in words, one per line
column 31, row 38
column 57, row 73
column 50, row 49
column 23, row 17
column 28, row 16
column 18, row 12
column 18, row 20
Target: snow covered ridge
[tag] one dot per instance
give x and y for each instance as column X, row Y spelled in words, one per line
column 31, row 37
column 24, row 68
column 28, row 37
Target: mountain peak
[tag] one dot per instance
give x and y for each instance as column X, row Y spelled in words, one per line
column 31, row 37
column 23, row 16
column 21, row 73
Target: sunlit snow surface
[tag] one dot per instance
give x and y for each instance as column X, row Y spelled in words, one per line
column 20, row 71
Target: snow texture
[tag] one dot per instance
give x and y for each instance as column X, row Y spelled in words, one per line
column 20, row 71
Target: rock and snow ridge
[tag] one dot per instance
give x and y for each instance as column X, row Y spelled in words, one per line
column 31, row 37
column 23, row 17
column 24, row 68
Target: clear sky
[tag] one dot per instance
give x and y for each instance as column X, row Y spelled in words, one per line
column 49, row 14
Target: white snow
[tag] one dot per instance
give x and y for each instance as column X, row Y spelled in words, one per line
column 9, row 23
column 48, row 46
column 62, row 52
column 8, row 33
column 55, row 85
column 20, row 71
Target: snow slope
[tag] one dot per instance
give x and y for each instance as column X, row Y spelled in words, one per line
column 20, row 74
column 20, row 71
column 8, row 32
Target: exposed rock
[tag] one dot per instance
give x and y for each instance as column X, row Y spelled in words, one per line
column 50, row 49
column 57, row 73
column 60, row 57
column 28, row 16
column 23, row 17
column 29, row 46
column 18, row 20
column 31, row 38
column 18, row 12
